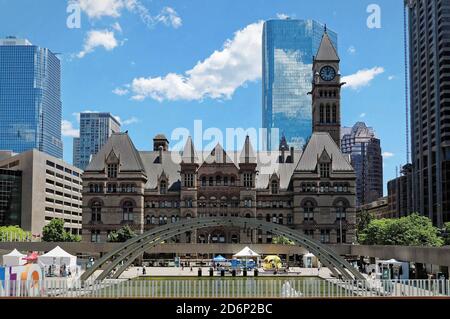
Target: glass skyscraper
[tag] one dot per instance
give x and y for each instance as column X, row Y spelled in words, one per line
column 30, row 98
column 288, row 49
column 95, row 129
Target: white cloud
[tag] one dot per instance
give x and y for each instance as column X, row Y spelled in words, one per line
column 100, row 8
column 120, row 91
column 116, row 26
column 282, row 16
column 217, row 77
column 169, row 17
column 351, row 50
column 67, row 129
column 391, row 77
column 131, row 120
column 387, row 154
column 362, row 115
column 361, row 78
column 98, row 38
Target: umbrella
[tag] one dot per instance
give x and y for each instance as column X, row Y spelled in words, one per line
column 219, row 258
column 31, row 257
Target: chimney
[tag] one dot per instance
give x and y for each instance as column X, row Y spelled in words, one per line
column 292, row 154
column 160, row 154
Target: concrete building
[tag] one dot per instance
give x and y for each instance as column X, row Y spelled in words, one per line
column 50, row 189
column 10, row 197
column 311, row 190
column 364, row 149
column 429, row 39
column 379, row 208
column 289, row 46
column 30, row 98
column 95, row 129
column 400, row 193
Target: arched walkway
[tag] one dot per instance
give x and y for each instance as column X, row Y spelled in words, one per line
column 118, row 261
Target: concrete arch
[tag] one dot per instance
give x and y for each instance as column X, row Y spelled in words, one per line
column 117, row 261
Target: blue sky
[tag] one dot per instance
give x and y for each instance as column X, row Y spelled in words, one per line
column 173, row 62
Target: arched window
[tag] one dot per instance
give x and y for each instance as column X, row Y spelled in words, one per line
column 341, row 210
column 225, row 181
column 96, row 211
column 274, row 187
column 328, row 117
column 334, row 114
column 154, row 220
column 161, row 220
column 203, row 181
column 274, row 218
column 91, row 188
column 173, row 219
column 308, row 210
column 211, row 181
column 268, row 218
column 233, row 181
column 218, row 180
column 280, row 219
column 163, row 187
column 127, row 211
column 148, row 220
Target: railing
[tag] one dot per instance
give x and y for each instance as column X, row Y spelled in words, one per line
column 225, row 288
column 14, row 236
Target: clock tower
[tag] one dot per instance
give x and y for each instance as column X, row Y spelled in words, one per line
column 326, row 91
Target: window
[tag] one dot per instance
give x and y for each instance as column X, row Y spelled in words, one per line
column 225, row 181
column 148, row 220
column 341, row 211
column 274, row 187
column 96, row 212
column 325, row 170
column 95, row 236
column 112, row 170
column 343, row 238
column 308, row 211
column 218, row 180
column 189, row 180
column 211, row 181
column 321, row 114
column 328, row 120
column 247, row 203
column 324, row 235
column 233, row 181
column 309, row 232
column 280, row 219
column 290, row 219
column 163, row 187
column 127, row 211
column 248, row 180
column 188, row 203
column 203, row 181
column 334, row 114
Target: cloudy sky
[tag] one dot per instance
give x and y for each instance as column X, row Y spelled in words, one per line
column 158, row 65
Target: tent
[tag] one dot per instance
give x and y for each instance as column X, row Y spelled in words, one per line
column 246, row 253
column 14, row 258
column 219, row 258
column 58, row 256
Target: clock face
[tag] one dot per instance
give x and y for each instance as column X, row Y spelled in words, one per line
column 327, row 73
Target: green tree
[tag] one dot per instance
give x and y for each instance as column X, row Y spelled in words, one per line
column 412, row 230
column 54, row 231
column 122, row 235
column 363, row 220
column 446, row 233
column 13, row 233
column 281, row 240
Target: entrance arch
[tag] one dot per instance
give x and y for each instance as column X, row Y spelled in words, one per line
column 117, row 261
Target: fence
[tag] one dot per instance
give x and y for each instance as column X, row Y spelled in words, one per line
column 22, row 237
column 225, row 288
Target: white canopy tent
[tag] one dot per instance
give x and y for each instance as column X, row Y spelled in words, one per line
column 14, row 258
column 58, row 256
column 246, row 253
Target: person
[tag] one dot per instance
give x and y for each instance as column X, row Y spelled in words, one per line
column 144, row 272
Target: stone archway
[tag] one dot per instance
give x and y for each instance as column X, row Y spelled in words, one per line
column 119, row 260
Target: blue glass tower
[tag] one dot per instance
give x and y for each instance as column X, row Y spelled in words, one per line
column 30, row 98
column 288, row 49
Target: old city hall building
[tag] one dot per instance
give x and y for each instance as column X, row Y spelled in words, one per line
column 312, row 190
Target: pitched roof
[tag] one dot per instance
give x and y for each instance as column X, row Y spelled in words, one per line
column 319, row 142
column 189, row 153
column 247, row 154
column 326, row 51
column 122, row 146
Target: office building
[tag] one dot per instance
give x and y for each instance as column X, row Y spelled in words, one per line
column 10, row 197
column 95, row 129
column 288, row 49
column 429, row 40
column 364, row 149
column 50, row 189
column 30, row 98
column 378, row 208
column 400, row 193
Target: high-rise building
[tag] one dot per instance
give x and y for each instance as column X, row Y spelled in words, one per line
column 30, row 98
column 364, row 149
column 400, row 193
column 429, row 42
column 95, row 129
column 10, row 197
column 288, row 49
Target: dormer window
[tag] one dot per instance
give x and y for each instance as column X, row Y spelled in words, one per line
column 112, row 170
column 189, row 180
column 274, row 187
column 324, row 170
column 163, row 187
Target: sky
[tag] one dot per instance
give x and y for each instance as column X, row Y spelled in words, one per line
column 159, row 65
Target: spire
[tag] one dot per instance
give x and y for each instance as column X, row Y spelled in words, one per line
column 247, row 153
column 326, row 51
column 189, row 154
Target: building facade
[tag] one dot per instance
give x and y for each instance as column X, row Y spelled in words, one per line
column 312, row 190
column 95, row 129
column 50, row 189
column 400, row 193
column 30, row 98
column 378, row 208
column 364, row 149
column 288, row 49
column 10, row 197
column 429, row 39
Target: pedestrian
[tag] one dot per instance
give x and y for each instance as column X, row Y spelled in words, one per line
column 144, row 272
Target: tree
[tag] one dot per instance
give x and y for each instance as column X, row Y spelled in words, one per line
column 13, row 233
column 281, row 240
column 54, row 231
column 446, row 233
column 122, row 235
column 412, row 230
column 362, row 221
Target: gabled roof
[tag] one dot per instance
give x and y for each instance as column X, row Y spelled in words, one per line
column 122, row 147
column 319, row 142
column 326, row 51
column 218, row 155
